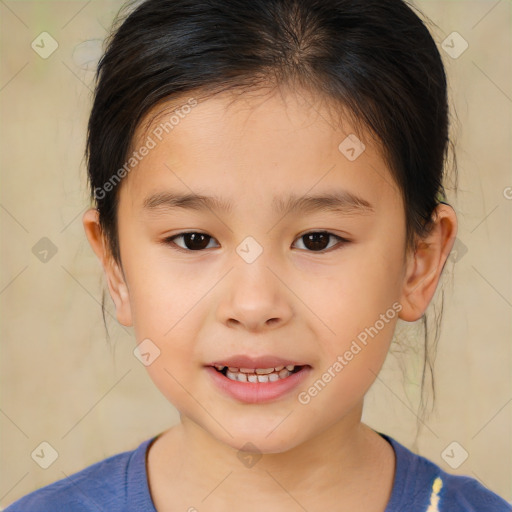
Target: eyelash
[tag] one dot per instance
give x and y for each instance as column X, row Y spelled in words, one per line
column 170, row 241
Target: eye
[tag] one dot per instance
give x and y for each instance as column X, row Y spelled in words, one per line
column 318, row 241
column 193, row 241
column 314, row 241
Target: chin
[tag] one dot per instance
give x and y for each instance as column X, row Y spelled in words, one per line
column 264, row 437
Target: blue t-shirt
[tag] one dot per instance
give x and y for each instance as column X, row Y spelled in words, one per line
column 120, row 484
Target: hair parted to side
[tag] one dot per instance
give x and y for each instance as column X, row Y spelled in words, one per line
column 374, row 60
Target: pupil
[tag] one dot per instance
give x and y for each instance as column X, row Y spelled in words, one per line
column 195, row 238
column 318, row 240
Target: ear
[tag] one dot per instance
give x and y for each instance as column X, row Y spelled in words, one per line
column 114, row 274
column 426, row 262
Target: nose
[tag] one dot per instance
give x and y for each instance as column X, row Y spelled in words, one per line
column 254, row 299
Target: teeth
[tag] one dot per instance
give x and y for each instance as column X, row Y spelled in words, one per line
column 259, row 371
column 284, row 373
column 272, row 376
column 264, row 371
column 257, row 374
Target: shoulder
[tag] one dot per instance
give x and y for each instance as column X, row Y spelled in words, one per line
column 469, row 494
column 104, row 485
column 421, row 482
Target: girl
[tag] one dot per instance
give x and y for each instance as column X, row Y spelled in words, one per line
column 268, row 183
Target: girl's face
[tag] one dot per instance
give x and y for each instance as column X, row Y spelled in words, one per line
column 258, row 278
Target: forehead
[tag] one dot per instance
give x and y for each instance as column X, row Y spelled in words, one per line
column 253, row 146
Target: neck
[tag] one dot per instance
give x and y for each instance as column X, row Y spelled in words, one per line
column 346, row 459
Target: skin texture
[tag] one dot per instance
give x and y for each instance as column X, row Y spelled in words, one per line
column 292, row 301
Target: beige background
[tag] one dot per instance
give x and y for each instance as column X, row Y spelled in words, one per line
column 62, row 383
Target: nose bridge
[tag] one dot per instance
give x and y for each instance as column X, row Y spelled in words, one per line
column 253, row 297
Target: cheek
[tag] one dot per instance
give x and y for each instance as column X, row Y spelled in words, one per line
column 168, row 301
column 355, row 294
column 162, row 292
column 359, row 309
column 351, row 359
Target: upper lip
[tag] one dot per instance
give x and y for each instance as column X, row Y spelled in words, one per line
column 244, row 361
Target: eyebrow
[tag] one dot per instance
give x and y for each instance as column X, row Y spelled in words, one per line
column 340, row 201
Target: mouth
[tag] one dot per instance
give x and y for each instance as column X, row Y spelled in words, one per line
column 259, row 380
column 255, row 375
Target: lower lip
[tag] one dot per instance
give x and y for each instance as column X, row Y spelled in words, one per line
column 257, row 392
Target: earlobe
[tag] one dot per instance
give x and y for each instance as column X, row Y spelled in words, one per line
column 425, row 265
column 115, row 279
